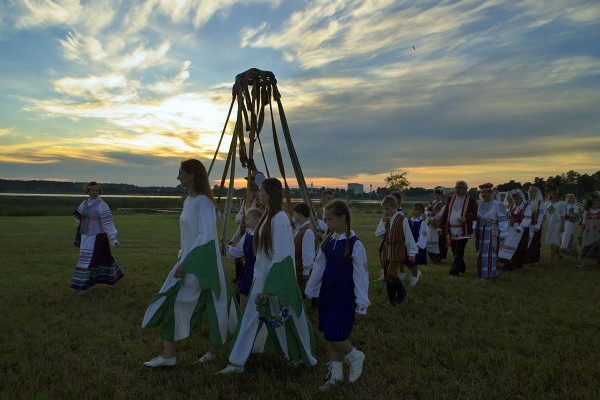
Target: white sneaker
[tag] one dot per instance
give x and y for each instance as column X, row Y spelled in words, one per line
column 206, row 358
column 231, row 369
column 414, row 279
column 160, row 361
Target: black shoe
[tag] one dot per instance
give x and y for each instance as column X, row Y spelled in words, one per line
column 391, row 292
column 400, row 292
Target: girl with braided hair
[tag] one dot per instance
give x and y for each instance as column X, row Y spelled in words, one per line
column 340, row 280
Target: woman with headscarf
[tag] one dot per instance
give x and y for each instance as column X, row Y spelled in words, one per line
column 538, row 209
column 514, row 248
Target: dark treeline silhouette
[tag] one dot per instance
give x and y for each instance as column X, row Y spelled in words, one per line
column 55, row 187
column 569, row 182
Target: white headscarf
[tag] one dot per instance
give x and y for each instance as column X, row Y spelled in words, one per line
column 538, row 195
column 520, row 193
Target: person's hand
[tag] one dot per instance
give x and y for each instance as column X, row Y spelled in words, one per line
column 179, row 273
column 305, row 278
column 115, row 243
column 222, row 248
column 263, row 295
column 411, row 258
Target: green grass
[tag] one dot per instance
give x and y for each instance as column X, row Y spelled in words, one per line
column 531, row 334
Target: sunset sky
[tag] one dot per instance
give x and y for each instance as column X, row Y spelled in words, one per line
column 122, row 91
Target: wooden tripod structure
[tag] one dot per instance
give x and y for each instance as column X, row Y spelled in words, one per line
column 254, row 90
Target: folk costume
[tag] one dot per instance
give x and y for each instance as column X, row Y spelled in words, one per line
column 492, row 226
column 514, row 248
column 420, row 233
column 555, row 221
column 304, row 249
column 571, row 218
column 240, row 219
column 96, row 264
column 590, row 233
column 436, row 242
column 343, row 288
column 286, row 329
column 457, row 234
column 244, row 249
column 181, row 303
column 534, row 246
column 398, row 244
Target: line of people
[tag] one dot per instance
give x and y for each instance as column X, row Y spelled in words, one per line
column 287, row 267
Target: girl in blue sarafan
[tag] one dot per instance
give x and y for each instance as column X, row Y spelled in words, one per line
column 341, row 281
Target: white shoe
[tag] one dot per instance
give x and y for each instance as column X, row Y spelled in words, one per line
column 296, row 363
column 336, row 375
column 355, row 360
column 414, row 279
column 379, row 279
column 160, row 361
column 231, row 369
column 401, row 276
column 206, row 358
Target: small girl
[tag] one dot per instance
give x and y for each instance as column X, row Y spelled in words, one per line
column 244, row 249
column 420, row 233
column 340, row 270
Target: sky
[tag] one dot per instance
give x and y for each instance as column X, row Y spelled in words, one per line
column 481, row 91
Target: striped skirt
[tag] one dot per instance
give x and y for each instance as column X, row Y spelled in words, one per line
column 96, row 264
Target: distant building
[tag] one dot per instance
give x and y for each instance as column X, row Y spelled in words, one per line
column 356, row 188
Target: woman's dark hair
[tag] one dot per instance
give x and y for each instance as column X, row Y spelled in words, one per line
column 86, row 187
column 263, row 240
column 338, row 208
column 201, row 182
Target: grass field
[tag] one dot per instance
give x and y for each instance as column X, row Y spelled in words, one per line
column 531, row 334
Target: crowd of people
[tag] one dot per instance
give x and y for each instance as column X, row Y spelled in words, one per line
column 286, row 265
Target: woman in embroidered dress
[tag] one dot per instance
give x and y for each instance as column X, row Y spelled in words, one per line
column 571, row 218
column 341, row 282
column 538, row 209
column 278, row 322
column 514, row 248
column 555, row 226
column 492, row 226
column 96, row 264
column 196, row 285
column 590, row 229
column 436, row 242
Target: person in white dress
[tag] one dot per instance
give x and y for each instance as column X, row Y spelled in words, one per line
column 274, row 319
column 196, row 285
column 572, row 215
column 555, row 225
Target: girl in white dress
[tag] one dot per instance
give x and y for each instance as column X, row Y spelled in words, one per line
column 274, row 319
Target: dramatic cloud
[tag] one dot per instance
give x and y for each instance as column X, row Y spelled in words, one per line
column 493, row 90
